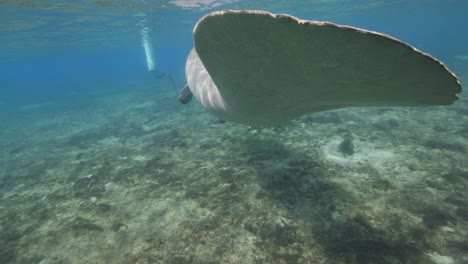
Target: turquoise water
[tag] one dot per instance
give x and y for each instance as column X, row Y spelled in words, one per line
column 100, row 163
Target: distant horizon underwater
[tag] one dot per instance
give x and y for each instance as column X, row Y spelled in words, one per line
column 101, row 163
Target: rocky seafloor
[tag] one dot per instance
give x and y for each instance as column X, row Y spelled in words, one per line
column 136, row 177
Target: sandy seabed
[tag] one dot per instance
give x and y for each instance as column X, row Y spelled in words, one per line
column 136, row 177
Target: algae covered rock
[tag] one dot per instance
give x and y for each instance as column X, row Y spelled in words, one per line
column 347, row 146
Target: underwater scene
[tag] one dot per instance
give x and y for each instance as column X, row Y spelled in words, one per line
column 294, row 141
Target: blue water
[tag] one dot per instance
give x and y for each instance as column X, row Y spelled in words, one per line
column 100, row 163
column 61, row 54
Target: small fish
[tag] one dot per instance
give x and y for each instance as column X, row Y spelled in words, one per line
column 185, row 95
